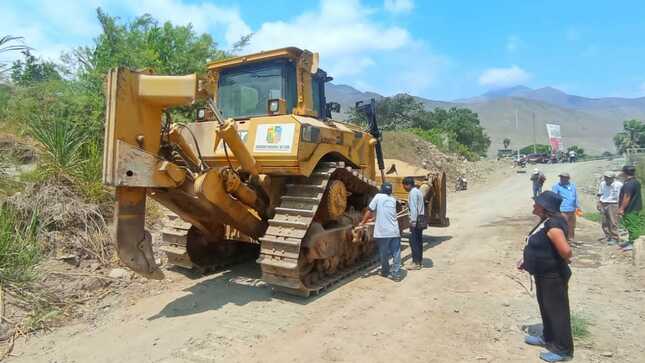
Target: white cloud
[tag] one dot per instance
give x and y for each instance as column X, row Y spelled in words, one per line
column 502, row 77
column 398, row 6
column 204, row 16
column 337, row 28
column 513, row 43
column 54, row 27
column 343, row 32
column 48, row 29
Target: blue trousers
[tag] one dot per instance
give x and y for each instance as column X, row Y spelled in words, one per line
column 389, row 247
column 537, row 190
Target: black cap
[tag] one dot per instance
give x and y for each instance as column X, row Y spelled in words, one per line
column 408, row 180
column 629, row 169
column 386, row 188
column 550, row 201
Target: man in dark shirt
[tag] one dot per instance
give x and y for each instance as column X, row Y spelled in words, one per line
column 630, row 206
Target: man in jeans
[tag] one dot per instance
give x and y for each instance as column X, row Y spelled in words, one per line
column 570, row 203
column 608, row 193
column 417, row 209
column 630, row 206
column 537, row 179
column 386, row 231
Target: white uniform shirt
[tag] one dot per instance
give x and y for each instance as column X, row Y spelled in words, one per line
column 609, row 193
column 386, row 225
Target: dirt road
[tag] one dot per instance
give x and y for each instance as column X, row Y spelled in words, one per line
column 467, row 305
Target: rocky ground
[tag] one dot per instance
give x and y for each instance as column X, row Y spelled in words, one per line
column 468, row 303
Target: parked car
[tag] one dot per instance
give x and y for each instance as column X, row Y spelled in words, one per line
column 538, row 158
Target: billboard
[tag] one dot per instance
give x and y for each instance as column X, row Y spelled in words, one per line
column 555, row 138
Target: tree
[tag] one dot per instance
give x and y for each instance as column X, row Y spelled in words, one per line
column 632, row 136
column 506, row 142
column 33, row 70
column 142, row 43
column 464, row 123
column 539, row 148
column 398, row 112
column 459, row 125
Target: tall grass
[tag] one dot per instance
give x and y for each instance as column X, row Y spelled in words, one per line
column 19, row 247
column 580, row 326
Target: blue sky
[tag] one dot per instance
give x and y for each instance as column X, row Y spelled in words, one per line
column 436, row 49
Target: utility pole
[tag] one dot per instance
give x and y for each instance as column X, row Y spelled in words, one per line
column 534, row 139
column 516, row 123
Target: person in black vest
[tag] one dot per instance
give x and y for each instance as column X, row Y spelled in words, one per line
column 547, row 256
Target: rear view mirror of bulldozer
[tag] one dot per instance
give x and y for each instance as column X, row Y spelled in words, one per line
column 333, row 107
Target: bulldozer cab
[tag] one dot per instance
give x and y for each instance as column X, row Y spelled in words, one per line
column 279, row 82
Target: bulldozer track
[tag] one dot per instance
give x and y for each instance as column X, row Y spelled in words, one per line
column 175, row 239
column 281, row 254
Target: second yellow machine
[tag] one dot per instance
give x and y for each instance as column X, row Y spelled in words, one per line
column 263, row 164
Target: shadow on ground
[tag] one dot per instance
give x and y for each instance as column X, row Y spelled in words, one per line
column 242, row 284
column 533, row 329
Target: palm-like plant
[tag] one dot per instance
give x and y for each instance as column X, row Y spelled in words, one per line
column 6, row 47
column 62, row 142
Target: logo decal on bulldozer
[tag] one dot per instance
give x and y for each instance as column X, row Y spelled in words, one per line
column 274, row 138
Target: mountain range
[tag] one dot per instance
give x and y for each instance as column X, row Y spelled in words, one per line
column 515, row 112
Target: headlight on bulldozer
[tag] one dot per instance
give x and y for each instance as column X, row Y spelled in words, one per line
column 310, row 134
column 201, row 114
column 274, row 106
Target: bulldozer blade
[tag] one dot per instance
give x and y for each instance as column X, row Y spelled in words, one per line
column 134, row 243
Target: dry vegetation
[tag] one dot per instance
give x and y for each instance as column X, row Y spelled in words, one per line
column 412, row 149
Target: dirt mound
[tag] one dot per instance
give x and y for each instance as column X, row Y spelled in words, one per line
column 416, row 151
column 69, row 226
column 16, row 150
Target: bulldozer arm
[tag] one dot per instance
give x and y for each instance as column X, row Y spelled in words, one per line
column 135, row 102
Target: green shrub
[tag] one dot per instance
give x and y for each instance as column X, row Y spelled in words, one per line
column 580, row 326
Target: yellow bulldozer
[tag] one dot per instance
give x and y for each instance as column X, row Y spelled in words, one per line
column 263, row 165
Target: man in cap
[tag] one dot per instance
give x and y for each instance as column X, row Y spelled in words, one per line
column 608, row 193
column 630, row 206
column 570, row 203
column 537, row 178
column 386, row 230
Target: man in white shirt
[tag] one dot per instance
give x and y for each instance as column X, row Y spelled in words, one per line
column 416, row 206
column 386, row 230
column 608, row 193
